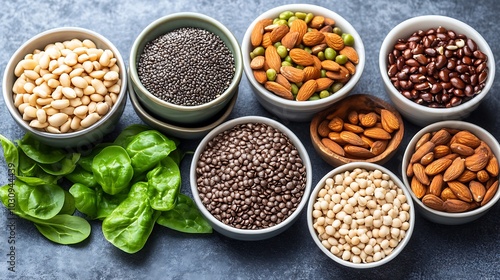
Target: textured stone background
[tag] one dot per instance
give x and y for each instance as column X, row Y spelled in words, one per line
column 434, row 252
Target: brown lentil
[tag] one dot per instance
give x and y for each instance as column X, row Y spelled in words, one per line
column 187, row 66
column 251, row 176
column 438, row 68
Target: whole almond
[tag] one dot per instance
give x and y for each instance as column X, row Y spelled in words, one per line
column 301, row 57
column 467, row 138
column 260, row 76
column 377, row 133
column 273, row 59
column 334, row 41
column 490, row 192
column 378, row 147
column 369, row 119
column 353, row 128
column 437, row 166
column 436, row 185
column 351, row 67
column 447, row 194
column 420, row 174
column 311, row 73
column 324, row 83
column 460, row 190
column 279, row 32
column 433, row 201
column 421, row 151
column 418, row 188
column 307, row 90
column 455, row 205
column 317, row 21
column 454, row 170
column 278, row 90
column 256, row 35
column 313, row 38
column 351, row 54
column 477, row 190
column 389, row 121
column 422, row 140
column 323, row 128
column 467, row 176
column 461, row 149
column 476, row 161
column 330, row 65
column 492, row 166
column 292, row 74
column 290, row 39
column 427, row 158
column 441, row 137
column 257, row 62
column 280, row 79
column 266, row 40
column 336, row 124
column 369, row 141
column 483, row 176
column 352, row 116
column 352, row 138
column 441, row 151
column 335, row 136
column 338, row 75
column 358, row 152
column 333, row 146
column 299, row 26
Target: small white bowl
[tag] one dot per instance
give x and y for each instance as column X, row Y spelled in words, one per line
column 78, row 139
column 442, row 217
column 423, row 115
column 369, row 167
column 251, row 234
column 302, row 111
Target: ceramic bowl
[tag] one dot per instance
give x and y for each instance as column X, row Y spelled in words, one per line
column 78, row 139
column 361, row 104
column 293, row 110
column 442, row 217
column 183, row 132
column 232, row 231
column 179, row 114
column 350, row 167
column 423, row 115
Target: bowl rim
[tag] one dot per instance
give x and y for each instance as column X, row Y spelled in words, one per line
column 340, row 20
column 229, row 125
column 7, row 89
column 349, row 167
column 462, row 125
column 412, row 24
column 194, row 16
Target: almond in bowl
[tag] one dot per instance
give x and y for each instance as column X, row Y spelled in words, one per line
column 452, row 170
column 361, row 127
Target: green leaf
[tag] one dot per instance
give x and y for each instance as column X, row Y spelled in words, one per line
column 39, row 152
column 62, row 167
column 41, row 201
column 147, row 148
column 164, row 182
column 64, row 229
column 10, row 153
column 82, row 176
column 185, row 217
column 112, row 169
column 128, row 133
column 85, row 199
column 69, row 204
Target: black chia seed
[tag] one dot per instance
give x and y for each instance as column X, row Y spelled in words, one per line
column 251, row 176
column 187, row 66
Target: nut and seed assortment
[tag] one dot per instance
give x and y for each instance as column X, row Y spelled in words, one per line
column 452, row 170
column 358, row 134
column 251, row 176
column 361, row 215
column 187, row 66
column 438, row 68
column 301, row 56
column 67, row 86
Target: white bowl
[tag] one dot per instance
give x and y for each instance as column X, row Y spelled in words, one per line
column 423, row 115
column 251, row 234
column 369, row 167
column 78, row 139
column 289, row 109
column 442, row 217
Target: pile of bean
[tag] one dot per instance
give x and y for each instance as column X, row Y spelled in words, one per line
column 67, row 86
column 438, row 68
column 187, row 66
column 251, row 176
column 361, row 215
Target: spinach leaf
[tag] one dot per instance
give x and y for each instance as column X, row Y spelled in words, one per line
column 27, row 166
column 128, row 133
column 164, row 182
column 185, row 217
column 106, row 203
column 38, row 151
column 130, row 224
column 10, row 153
column 147, row 148
column 85, row 199
column 85, row 161
column 62, row 167
column 41, row 201
column 112, row 169
column 69, row 204
column 64, row 229
column 82, row 176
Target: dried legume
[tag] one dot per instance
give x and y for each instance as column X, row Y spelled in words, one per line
column 187, row 66
column 251, row 176
column 361, row 215
column 438, row 68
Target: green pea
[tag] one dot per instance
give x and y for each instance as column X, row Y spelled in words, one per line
column 308, row 49
column 282, row 22
column 288, row 59
column 324, row 94
column 271, row 74
column 259, row 51
column 348, row 39
column 330, row 54
column 252, row 55
column 291, row 19
column 299, row 67
column 277, row 44
column 275, row 21
column 337, row 30
column 336, row 87
column 295, row 89
column 299, row 84
column 286, row 15
column 308, row 17
column 314, row 97
column 323, row 73
column 341, row 59
column 300, row 15
column 321, row 56
column 282, row 51
column 286, row 63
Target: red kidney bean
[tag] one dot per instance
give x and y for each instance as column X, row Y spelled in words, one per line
column 437, row 67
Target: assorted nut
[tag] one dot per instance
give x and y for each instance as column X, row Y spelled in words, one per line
column 67, row 86
column 438, row 68
column 453, row 170
column 361, row 215
column 358, row 134
column 302, row 56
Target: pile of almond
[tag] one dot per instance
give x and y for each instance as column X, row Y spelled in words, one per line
column 303, row 71
column 452, row 170
column 360, row 135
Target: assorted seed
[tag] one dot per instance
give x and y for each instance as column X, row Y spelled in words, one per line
column 67, row 86
column 251, row 176
column 187, row 66
column 438, row 68
column 361, row 215
column 302, row 56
